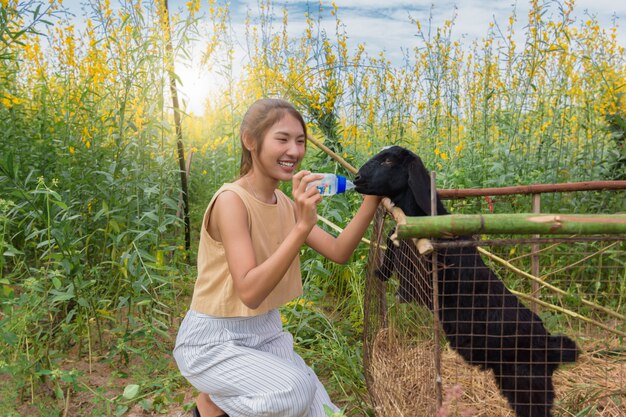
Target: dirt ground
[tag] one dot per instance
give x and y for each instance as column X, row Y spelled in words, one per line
column 99, row 381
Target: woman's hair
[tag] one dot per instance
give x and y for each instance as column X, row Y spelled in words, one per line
column 259, row 118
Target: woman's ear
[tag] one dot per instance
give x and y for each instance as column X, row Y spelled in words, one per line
column 248, row 142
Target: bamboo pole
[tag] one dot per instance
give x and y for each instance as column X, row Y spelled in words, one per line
column 333, row 155
column 524, row 223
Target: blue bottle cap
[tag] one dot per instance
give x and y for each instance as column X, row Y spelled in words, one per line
column 341, row 184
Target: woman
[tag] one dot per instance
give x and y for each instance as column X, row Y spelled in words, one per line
column 231, row 345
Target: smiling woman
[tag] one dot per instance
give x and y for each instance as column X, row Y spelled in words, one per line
column 231, row 345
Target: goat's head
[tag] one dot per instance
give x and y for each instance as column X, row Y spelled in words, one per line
column 399, row 174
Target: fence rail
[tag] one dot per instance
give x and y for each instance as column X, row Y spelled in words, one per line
column 450, row 194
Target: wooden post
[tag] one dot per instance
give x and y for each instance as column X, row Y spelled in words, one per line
column 435, row 276
column 169, row 59
column 534, row 255
column 180, row 195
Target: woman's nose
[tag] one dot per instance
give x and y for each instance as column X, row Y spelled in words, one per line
column 293, row 148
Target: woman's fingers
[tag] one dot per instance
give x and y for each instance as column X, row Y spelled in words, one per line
column 302, row 180
column 297, row 179
column 306, row 199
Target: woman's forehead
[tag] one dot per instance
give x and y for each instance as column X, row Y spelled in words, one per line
column 287, row 124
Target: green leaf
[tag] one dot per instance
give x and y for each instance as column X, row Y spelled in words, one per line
column 131, row 391
column 61, row 296
column 56, row 282
column 120, row 410
column 60, row 204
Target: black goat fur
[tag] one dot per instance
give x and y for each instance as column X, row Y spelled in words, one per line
column 483, row 321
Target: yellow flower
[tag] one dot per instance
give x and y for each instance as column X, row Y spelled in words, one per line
column 71, row 150
column 10, row 100
column 193, row 7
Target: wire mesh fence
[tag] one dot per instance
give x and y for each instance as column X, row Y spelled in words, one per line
column 503, row 326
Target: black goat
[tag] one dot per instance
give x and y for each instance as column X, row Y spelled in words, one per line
column 483, row 321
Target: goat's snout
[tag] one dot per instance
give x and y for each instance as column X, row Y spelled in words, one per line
column 360, row 182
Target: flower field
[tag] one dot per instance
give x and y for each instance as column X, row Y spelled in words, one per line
column 95, row 269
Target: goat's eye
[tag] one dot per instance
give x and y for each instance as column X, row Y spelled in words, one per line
column 387, row 162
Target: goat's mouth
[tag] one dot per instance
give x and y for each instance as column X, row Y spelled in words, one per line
column 363, row 184
column 360, row 187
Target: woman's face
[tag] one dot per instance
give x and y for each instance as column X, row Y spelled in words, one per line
column 283, row 149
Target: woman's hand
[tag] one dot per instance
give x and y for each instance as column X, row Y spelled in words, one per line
column 306, row 201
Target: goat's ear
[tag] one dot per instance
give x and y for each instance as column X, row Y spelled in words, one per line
column 419, row 183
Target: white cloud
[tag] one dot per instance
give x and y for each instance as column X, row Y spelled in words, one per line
column 606, row 7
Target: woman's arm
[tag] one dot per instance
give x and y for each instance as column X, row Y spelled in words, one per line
column 340, row 248
column 253, row 282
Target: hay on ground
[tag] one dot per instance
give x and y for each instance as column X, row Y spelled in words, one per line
column 403, row 376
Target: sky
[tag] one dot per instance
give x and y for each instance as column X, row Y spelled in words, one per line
column 385, row 25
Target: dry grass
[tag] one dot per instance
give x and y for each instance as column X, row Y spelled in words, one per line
column 404, row 383
column 404, row 377
column 597, row 382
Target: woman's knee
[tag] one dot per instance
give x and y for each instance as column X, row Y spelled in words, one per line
column 295, row 396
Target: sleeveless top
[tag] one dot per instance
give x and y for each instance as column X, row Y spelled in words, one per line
column 214, row 291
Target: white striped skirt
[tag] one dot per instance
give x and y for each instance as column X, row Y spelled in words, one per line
column 248, row 367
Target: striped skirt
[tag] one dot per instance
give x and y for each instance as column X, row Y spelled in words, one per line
column 248, row 367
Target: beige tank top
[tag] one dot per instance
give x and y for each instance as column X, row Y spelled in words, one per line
column 214, row 293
